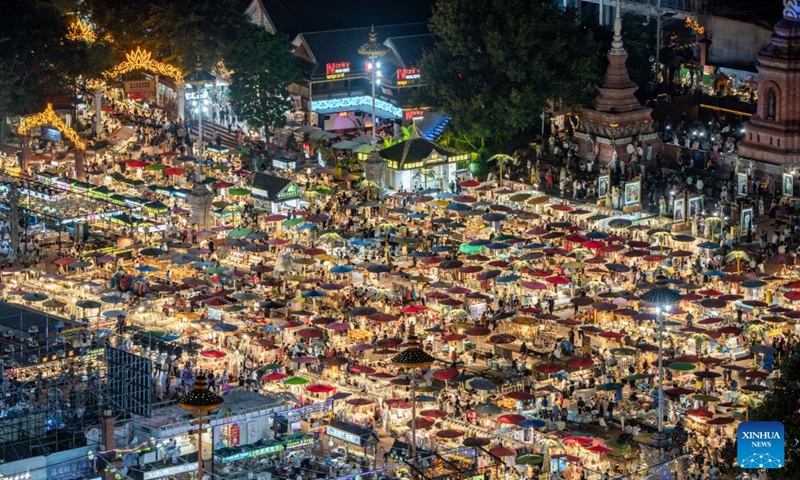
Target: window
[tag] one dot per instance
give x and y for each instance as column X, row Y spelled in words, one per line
column 771, row 105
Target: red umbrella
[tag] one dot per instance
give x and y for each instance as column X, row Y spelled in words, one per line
column 445, row 374
column 756, row 374
column 320, row 388
column 699, row 412
column 502, row 452
column 433, row 413
column 361, row 369
column 470, row 269
column 360, row 402
column 561, row 208
column 720, row 421
column 599, row 449
column 469, row 183
column 476, row 442
column 523, row 396
column 65, row 261
column 793, row 285
column 614, row 335
column 580, row 362
column 793, row 295
column 511, row 418
column 453, row 337
column 710, row 293
column 221, row 185
column 593, row 244
column 678, row 391
column 477, row 331
column 273, row 377
column 413, row 309
column 450, row 433
column 382, row 317
column 577, row 441
column 174, row 171
column 216, row 302
column 534, row 285
column 730, row 330
column 213, row 354
column 310, row 333
column 654, row 258
column 549, row 368
column 558, row 280
column 710, row 321
column 502, row 338
column 420, row 422
column 137, row 163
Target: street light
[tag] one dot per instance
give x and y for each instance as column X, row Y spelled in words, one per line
column 198, row 79
column 200, row 400
column 374, row 51
column 663, row 297
column 412, row 358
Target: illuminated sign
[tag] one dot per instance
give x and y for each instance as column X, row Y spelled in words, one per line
column 336, row 70
column 413, row 114
column 344, row 114
column 169, row 471
column 361, row 102
column 407, row 76
column 342, row 435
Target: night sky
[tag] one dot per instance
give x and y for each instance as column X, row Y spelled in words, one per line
column 318, row 15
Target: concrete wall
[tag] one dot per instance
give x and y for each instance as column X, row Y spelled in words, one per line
column 734, row 42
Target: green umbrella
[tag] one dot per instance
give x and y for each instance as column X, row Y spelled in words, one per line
column 239, row 232
column 235, row 308
column 273, row 366
column 363, row 148
column 623, row 351
column 681, row 366
column 156, row 167
column 519, row 197
column 323, row 191
column 239, row 192
column 637, row 376
column 529, row 460
column 296, row 381
column 220, row 166
column 216, row 270
column 430, row 388
column 610, row 387
column 596, row 218
column 157, row 333
column 292, row 222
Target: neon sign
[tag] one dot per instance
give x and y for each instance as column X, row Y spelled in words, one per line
column 413, row 114
column 361, row 102
column 336, row 70
column 407, row 76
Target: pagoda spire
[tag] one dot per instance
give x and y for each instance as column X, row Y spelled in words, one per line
column 616, row 43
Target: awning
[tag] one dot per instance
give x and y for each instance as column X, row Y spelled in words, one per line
column 352, row 433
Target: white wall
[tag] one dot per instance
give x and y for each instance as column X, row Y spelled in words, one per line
column 734, row 42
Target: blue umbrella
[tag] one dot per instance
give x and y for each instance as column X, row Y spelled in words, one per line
column 446, row 195
column 494, row 217
column 482, row 384
column 360, row 242
column 378, row 268
column 419, row 254
column 418, row 215
column 342, row 269
column 171, row 337
column 479, row 243
column 442, row 248
column 147, row 268
column 708, row 245
column 202, row 264
column 597, row 235
column 489, row 274
column 753, row 284
column 454, row 225
column 225, row 327
column 313, row 294
column 306, row 226
column 426, row 398
column 497, row 246
column 507, row 278
column 532, row 423
column 458, row 207
column 675, row 281
column 714, row 273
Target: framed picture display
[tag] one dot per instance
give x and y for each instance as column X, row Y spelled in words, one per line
column 695, row 206
column 746, row 221
column 633, row 193
column 741, row 184
column 679, row 210
column 603, row 184
column 788, row 185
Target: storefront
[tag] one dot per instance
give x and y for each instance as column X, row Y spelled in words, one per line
column 349, row 434
column 273, row 194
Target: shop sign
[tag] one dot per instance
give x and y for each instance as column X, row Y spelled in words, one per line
column 336, row 70
column 139, row 86
column 290, row 191
column 92, row 218
column 235, row 436
column 407, row 76
column 252, row 453
column 342, row 435
column 413, row 114
column 169, row 471
column 300, row 442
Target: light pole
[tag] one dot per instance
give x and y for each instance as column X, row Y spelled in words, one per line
column 663, row 297
column 200, row 401
column 412, row 358
column 374, row 51
column 198, row 79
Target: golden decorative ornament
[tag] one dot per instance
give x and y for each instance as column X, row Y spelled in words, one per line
column 141, row 59
column 49, row 117
column 80, row 31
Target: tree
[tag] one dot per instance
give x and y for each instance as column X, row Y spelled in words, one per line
column 501, row 159
column 781, row 405
column 496, row 64
column 263, row 67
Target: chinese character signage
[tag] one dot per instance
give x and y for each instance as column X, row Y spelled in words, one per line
column 336, row 70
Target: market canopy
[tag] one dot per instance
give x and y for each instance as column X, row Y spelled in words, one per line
column 417, row 153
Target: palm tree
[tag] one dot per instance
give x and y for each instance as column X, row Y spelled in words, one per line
column 502, row 159
column 737, row 255
column 368, row 185
column 427, row 174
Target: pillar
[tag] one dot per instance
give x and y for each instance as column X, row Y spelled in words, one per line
column 157, row 99
column 26, row 151
column 107, row 439
column 80, row 158
column 601, row 7
column 181, row 101
column 98, row 111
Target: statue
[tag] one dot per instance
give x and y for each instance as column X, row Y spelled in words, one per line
column 615, row 198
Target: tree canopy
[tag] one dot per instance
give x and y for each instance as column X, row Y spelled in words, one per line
column 263, row 67
column 496, row 64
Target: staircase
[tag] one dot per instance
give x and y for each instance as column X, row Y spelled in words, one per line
column 210, row 131
column 432, row 126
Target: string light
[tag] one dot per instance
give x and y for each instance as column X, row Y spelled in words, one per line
column 141, row 59
column 694, row 25
column 49, row 117
column 80, row 31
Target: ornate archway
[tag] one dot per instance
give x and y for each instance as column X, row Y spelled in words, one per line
column 49, row 117
column 141, row 59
